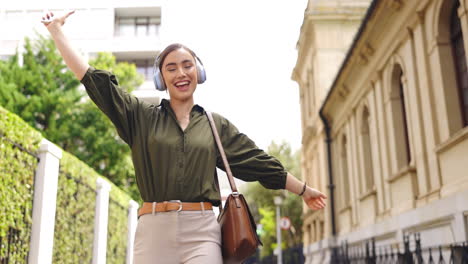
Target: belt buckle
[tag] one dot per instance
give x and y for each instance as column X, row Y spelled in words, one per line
column 180, row 204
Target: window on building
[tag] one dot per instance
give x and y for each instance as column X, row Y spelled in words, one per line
column 459, row 56
column 400, row 123
column 137, row 26
column 345, row 188
column 322, row 230
column 367, row 151
column 144, row 67
column 312, row 232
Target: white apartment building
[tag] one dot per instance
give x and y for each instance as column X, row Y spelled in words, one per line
column 130, row 30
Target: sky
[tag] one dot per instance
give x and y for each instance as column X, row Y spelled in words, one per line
column 248, row 49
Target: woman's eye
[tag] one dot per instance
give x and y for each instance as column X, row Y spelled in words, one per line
column 171, row 69
column 188, row 66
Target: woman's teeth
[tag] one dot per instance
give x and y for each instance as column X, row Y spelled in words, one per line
column 182, row 84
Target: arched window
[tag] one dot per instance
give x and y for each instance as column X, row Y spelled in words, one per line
column 345, row 188
column 459, row 57
column 400, row 123
column 367, row 151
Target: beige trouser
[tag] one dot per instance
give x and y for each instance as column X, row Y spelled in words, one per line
column 178, row 237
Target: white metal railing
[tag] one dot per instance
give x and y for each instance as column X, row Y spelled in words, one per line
column 44, row 208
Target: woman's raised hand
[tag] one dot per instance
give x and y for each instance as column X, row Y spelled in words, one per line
column 49, row 19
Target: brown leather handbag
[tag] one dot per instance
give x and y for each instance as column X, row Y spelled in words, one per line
column 238, row 228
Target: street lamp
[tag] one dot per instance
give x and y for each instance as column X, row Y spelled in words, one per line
column 278, row 200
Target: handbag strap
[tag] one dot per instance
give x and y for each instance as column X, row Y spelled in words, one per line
column 223, row 154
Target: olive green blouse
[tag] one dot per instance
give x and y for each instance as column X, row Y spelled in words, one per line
column 175, row 164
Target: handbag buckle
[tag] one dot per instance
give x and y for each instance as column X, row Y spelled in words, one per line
column 235, row 193
column 180, row 204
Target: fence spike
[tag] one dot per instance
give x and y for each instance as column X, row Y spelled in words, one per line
column 451, row 254
column 431, row 259
column 441, row 257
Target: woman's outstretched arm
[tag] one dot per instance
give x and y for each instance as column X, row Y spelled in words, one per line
column 75, row 62
column 313, row 198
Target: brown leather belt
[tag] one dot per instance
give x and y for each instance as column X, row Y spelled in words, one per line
column 166, row 206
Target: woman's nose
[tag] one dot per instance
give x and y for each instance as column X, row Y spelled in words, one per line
column 181, row 72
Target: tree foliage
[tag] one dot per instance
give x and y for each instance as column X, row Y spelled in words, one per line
column 47, row 96
column 264, row 210
column 42, row 92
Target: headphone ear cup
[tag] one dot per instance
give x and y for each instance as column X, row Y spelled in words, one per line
column 201, row 73
column 159, row 81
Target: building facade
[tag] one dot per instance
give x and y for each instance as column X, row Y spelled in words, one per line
column 395, row 107
column 130, row 30
column 326, row 34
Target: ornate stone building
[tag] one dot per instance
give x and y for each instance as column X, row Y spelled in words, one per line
column 384, row 100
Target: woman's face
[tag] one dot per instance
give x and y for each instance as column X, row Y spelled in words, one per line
column 180, row 74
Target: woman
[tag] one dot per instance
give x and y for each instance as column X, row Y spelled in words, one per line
column 175, row 156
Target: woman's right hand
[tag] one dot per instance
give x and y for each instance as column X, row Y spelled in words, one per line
column 50, row 20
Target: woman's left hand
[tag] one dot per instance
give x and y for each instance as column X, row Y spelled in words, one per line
column 314, row 199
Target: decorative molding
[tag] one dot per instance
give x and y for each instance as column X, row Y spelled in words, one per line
column 365, row 52
column 420, row 14
column 410, row 32
column 346, row 207
column 368, row 50
column 362, row 59
column 375, row 78
column 343, row 91
column 368, row 193
column 309, row 132
column 395, row 5
column 407, row 170
column 455, row 139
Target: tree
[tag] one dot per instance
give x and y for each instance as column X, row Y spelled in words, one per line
column 263, row 209
column 46, row 95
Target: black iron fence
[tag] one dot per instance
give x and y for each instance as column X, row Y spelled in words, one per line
column 292, row 255
column 410, row 253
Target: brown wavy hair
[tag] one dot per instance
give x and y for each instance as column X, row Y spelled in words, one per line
column 175, row 46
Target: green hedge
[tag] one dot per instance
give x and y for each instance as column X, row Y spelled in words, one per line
column 17, row 170
column 74, row 233
column 118, row 226
column 76, row 196
column 74, row 220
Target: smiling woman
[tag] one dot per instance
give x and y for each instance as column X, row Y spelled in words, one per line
column 175, row 156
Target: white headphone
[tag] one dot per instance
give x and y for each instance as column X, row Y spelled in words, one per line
column 159, row 81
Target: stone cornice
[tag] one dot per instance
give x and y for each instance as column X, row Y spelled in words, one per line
column 304, row 45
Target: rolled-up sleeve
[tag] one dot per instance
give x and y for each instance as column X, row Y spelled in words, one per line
column 247, row 161
column 120, row 106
